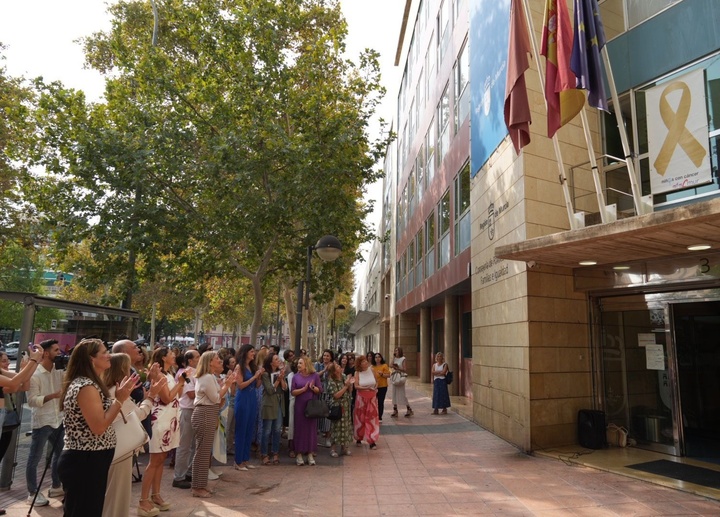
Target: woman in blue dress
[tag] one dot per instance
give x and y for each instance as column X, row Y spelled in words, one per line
column 248, row 377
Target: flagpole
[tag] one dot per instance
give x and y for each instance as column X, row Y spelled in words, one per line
column 574, row 223
column 636, row 192
column 606, row 215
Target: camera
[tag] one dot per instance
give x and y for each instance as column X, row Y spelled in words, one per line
column 61, row 361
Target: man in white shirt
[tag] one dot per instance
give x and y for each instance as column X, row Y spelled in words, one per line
column 44, row 400
column 186, row 450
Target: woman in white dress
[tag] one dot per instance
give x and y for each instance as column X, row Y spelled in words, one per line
column 398, row 394
column 165, row 433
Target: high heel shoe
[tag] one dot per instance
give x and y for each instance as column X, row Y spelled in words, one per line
column 161, row 505
column 142, row 512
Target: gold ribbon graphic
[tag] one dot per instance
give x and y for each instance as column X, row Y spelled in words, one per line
column 677, row 132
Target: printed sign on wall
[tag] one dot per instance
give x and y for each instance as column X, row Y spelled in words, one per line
column 678, row 133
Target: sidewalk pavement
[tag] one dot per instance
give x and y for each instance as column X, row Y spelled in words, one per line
column 424, row 465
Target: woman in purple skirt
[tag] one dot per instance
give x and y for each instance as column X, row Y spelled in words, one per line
column 306, row 385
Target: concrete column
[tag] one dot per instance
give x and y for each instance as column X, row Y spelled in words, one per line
column 425, row 344
column 452, row 338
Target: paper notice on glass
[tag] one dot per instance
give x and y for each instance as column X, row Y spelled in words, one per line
column 654, row 357
column 646, row 339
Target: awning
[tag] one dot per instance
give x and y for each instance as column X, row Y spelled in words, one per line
column 362, row 318
column 661, row 234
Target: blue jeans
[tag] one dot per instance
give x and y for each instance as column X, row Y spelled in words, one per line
column 40, row 437
column 271, row 426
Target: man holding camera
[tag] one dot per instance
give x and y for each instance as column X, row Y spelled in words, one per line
column 44, row 401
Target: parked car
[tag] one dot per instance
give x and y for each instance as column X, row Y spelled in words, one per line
column 11, row 349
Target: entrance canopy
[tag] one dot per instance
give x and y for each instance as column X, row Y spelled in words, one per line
column 361, row 319
column 662, row 234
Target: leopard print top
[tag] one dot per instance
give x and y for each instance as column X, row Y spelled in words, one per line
column 78, row 435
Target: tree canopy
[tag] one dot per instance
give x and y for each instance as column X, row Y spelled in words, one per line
column 225, row 149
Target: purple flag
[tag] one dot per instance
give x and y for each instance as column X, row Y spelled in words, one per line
column 586, row 62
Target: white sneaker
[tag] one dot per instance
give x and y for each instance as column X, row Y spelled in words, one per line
column 56, row 492
column 212, row 476
column 40, row 501
column 311, row 459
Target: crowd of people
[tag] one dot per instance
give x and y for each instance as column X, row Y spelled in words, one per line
column 195, row 405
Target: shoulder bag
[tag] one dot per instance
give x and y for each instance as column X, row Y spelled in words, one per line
column 12, row 419
column 316, row 408
column 398, row 378
column 448, row 377
column 130, row 435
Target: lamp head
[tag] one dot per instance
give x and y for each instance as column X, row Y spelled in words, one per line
column 328, row 248
column 340, row 307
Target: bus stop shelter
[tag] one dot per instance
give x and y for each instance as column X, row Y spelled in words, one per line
column 84, row 319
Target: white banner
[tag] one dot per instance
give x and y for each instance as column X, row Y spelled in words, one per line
column 678, row 133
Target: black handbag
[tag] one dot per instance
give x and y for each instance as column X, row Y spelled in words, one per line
column 448, row 378
column 316, row 408
column 335, row 413
column 12, row 419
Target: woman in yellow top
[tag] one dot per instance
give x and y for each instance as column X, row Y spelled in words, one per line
column 382, row 374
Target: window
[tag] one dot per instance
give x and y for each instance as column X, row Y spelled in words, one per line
column 412, row 118
column 420, row 95
column 443, row 29
column 412, row 198
column 430, row 149
column 420, row 161
column 462, row 209
column 411, row 266
column 462, row 92
column 444, row 230
column 419, row 257
column 430, row 62
column 443, row 121
column 430, row 245
column 640, row 10
column 403, row 273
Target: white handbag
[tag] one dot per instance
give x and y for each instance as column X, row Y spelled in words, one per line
column 130, row 435
column 398, row 378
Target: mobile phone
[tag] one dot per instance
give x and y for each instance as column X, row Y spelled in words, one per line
column 184, row 376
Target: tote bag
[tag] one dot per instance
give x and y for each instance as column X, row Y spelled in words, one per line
column 130, row 435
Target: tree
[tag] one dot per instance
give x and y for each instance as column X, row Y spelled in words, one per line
column 243, row 133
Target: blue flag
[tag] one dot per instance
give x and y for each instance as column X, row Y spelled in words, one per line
column 585, row 61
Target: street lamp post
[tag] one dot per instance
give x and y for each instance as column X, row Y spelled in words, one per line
column 340, row 307
column 328, row 249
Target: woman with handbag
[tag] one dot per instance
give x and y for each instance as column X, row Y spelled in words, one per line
column 209, row 396
column 366, row 425
column 272, row 407
column 165, row 432
column 441, row 396
column 90, row 439
column 328, row 358
column 339, row 389
column 397, row 379
column 306, row 386
column 119, row 481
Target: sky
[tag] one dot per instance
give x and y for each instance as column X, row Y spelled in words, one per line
column 41, row 39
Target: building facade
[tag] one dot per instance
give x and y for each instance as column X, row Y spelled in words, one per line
column 543, row 312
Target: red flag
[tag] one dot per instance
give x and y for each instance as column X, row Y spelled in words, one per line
column 564, row 102
column 517, row 107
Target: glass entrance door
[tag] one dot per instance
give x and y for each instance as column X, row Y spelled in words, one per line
column 696, row 333
column 636, row 383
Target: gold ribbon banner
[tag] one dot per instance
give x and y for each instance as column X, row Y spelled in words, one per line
column 677, row 132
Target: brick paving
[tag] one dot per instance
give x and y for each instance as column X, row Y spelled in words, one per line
column 424, row 465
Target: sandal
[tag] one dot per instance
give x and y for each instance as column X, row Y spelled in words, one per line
column 266, row 460
column 161, row 504
column 395, row 413
column 142, row 512
column 444, row 411
column 276, row 460
column 435, row 412
column 201, row 492
column 291, row 454
column 240, row 467
column 334, row 454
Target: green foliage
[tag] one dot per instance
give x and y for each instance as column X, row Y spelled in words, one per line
column 225, row 150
